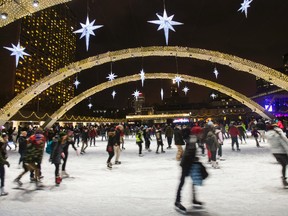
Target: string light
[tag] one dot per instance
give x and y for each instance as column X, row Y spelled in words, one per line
column 35, row 3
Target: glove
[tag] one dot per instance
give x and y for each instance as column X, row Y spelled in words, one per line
column 63, row 155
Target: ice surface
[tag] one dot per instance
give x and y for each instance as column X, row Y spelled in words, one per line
column 248, row 183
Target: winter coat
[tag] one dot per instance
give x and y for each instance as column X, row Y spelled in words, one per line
column 169, row 132
column 139, row 136
column 35, row 147
column 277, row 140
column 57, row 149
column 22, row 144
column 214, row 145
column 219, row 136
column 159, row 137
column 233, row 131
column 178, row 139
column 188, row 159
column 3, row 154
column 85, row 136
column 111, row 141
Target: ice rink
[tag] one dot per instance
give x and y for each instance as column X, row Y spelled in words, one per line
column 248, row 183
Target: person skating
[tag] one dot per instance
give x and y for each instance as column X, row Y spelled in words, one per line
column 147, row 138
column 84, row 137
column 33, row 157
column 220, row 139
column 3, row 162
column 117, row 149
column 169, row 135
column 212, row 145
column 179, row 142
column 159, row 140
column 234, row 133
column 255, row 133
column 139, row 139
column 110, row 146
column 186, row 164
column 22, row 146
column 279, row 148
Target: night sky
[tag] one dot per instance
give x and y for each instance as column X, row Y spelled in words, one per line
column 214, row 25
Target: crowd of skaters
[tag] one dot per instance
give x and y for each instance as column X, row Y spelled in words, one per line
column 206, row 136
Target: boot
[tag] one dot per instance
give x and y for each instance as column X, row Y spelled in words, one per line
column 3, row 193
column 58, row 180
column 109, row 165
column 180, row 207
column 215, row 165
column 285, row 183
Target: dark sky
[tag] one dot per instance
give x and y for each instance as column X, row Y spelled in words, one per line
column 214, row 25
column 209, row 24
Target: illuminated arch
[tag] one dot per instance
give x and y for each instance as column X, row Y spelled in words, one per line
column 16, row 10
column 236, row 95
column 235, row 62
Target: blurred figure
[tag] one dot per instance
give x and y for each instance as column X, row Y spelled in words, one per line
column 279, row 148
column 169, row 135
column 179, row 142
column 147, row 138
column 159, row 140
column 139, row 139
column 261, row 127
column 22, row 146
column 3, row 161
column 110, row 146
column 117, row 149
column 234, row 133
column 255, row 133
column 84, row 138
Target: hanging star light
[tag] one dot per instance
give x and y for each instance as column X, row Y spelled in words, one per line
column 136, row 94
column 185, row 90
column 213, row 95
column 215, row 71
column 90, row 105
column 165, row 23
column 17, row 51
column 111, row 76
column 142, row 75
column 87, row 30
column 244, row 6
column 177, row 80
column 76, row 83
column 162, row 93
column 113, row 94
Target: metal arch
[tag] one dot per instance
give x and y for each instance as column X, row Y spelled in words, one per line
column 235, row 62
column 236, row 95
column 18, row 9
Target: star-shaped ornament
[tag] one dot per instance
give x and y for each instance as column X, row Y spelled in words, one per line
column 113, row 94
column 177, row 80
column 17, row 51
column 166, row 23
column 136, row 94
column 90, row 105
column 162, row 93
column 244, row 6
column 215, row 71
column 76, row 83
column 142, row 76
column 213, row 95
column 87, row 30
column 111, row 76
column 185, row 90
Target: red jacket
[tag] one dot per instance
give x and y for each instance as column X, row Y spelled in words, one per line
column 233, row 131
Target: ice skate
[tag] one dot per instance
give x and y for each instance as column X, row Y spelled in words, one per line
column 179, row 207
column 118, row 162
column 109, row 166
column 18, row 182
column 64, row 174
column 197, row 203
column 285, row 183
column 3, row 193
column 141, row 155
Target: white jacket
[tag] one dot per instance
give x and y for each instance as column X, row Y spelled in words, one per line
column 278, row 141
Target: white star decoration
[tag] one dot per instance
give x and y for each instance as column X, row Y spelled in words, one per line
column 185, row 90
column 142, row 75
column 244, row 6
column 162, row 93
column 136, row 94
column 76, row 83
column 87, row 30
column 90, row 105
column 17, row 51
column 113, row 94
column 177, row 79
column 215, row 71
column 213, row 95
column 111, row 76
column 165, row 23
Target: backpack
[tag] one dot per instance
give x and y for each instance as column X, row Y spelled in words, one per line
column 209, row 140
column 49, row 147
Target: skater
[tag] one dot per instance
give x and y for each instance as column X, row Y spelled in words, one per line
column 57, row 153
column 84, row 138
column 110, row 146
column 169, row 135
column 33, row 157
column 139, row 140
column 159, row 140
column 69, row 141
column 255, row 133
column 186, row 164
column 212, row 145
column 279, row 148
column 92, row 135
column 220, row 139
column 234, row 133
column 77, row 133
column 261, row 127
column 241, row 133
column 22, row 146
column 179, row 142
column 147, row 138
column 117, row 149
column 3, row 161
